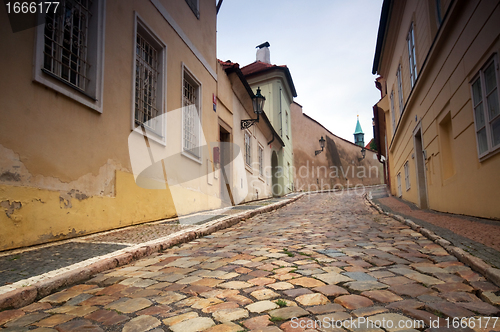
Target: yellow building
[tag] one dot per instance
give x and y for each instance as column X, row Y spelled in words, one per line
column 79, row 95
column 438, row 120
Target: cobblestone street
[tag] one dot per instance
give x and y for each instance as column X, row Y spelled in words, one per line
column 328, row 258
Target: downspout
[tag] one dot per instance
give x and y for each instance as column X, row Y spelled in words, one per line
column 269, row 143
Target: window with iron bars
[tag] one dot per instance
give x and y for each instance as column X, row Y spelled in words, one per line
column 66, row 43
column 146, row 84
column 248, row 149
column 261, row 161
column 191, row 116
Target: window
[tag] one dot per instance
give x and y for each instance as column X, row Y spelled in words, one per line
column 248, row 149
column 261, row 161
column 411, row 56
column 286, row 124
column 393, row 114
column 191, row 114
column 400, row 193
column 195, row 7
column 149, row 65
column 486, row 108
column 70, row 50
column 407, row 175
column 400, row 90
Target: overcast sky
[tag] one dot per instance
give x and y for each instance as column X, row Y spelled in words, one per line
column 328, row 45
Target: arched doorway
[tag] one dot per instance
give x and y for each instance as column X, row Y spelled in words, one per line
column 274, row 169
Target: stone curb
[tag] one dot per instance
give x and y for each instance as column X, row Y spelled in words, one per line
column 25, row 295
column 477, row 264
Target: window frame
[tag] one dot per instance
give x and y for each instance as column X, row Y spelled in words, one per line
column 92, row 96
column 260, row 155
column 407, row 175
column 412, row 55
column 248, row 148
column 400, row 89
column 491, row 150
column 142, row 28
column 186, row 72
column 398, row 179
column 393, row 112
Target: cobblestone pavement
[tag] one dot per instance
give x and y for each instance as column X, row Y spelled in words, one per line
column 326, row 257
column 479, row 237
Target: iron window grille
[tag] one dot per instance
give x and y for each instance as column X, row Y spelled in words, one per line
column 190, row 116
column 261, row 161
column 400, row 192
column 66, row 43
column 248, row 150
column 146, row 84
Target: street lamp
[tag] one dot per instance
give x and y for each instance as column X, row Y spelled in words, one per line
column 363, row 153
column 258, row 107
column 322, row 145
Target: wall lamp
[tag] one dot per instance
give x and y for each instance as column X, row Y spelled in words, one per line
column 258, row 107
column 363, row 153
column 322, row 145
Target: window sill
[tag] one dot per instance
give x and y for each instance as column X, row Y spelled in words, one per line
column 490, row 154
column 191, row 157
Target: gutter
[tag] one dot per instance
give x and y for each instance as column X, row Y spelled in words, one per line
column 382, row 31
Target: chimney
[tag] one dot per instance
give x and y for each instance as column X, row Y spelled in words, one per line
column 263, row 53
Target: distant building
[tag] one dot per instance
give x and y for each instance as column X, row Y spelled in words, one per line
column 359, row 136
column 338, row 165
column 438, row 119
column 277, row 86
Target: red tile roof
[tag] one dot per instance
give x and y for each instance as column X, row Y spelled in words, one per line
column 259, row 67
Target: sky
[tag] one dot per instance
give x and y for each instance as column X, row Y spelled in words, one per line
column 328, row 45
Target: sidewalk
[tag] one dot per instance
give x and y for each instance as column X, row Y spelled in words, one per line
column 40, row 265
column 479, row 237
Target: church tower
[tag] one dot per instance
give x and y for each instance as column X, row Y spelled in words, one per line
column 359, row 136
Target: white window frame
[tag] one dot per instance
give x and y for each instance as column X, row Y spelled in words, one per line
column 286, row 124
column 412, row 58
column 93, row 94
column 400, row 90
column 407, row 175
column 260, row 154
column 144, row 30
column 488, row 122
column 247, row 137
column 400, row 192
column 188, row 74
column 393, row 113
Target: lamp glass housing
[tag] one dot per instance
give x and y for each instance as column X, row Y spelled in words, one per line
column 322, row 143
column 258, row 102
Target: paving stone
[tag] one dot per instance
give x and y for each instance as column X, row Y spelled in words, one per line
column 312, row 299
column 264, row 294
column 130, row 306
column 240, row 299
column 220, row 306
column 307, row 282
column 369, row 311
column 413, row 291
column 235, row 285
column 359, row 276
column 229, row 315
column 396, row 319
column 256, row 323
column 282, row 285
column 8, row 315
column 169, row 297
column 327, row 308
column 160, row 310
column 295, row 325
column 297, row 292
column 193, row 325
column 425, row 316
column 100, row 300
column 360, row 286
column 352, row 302
column 180, row 318
column 399, row 280
column 453, row 287
column 481, row 308
column 26, row 320
column 226, row 327
column 141, row 324
column 288, row 312
column 78, row 325
column 81, row 311
column 107, row 317
column 331, row 278
column 331, row 290
column 383, row 296
column 261, row 281
column 484, row 286
column 459, row 297
column 406, row 304
column 449, row 309
column 491, row 298
column 262, row 306
column 35, row 307
column 334, row 317
column 54, row 320
column 424, row 279
column 61, row 297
